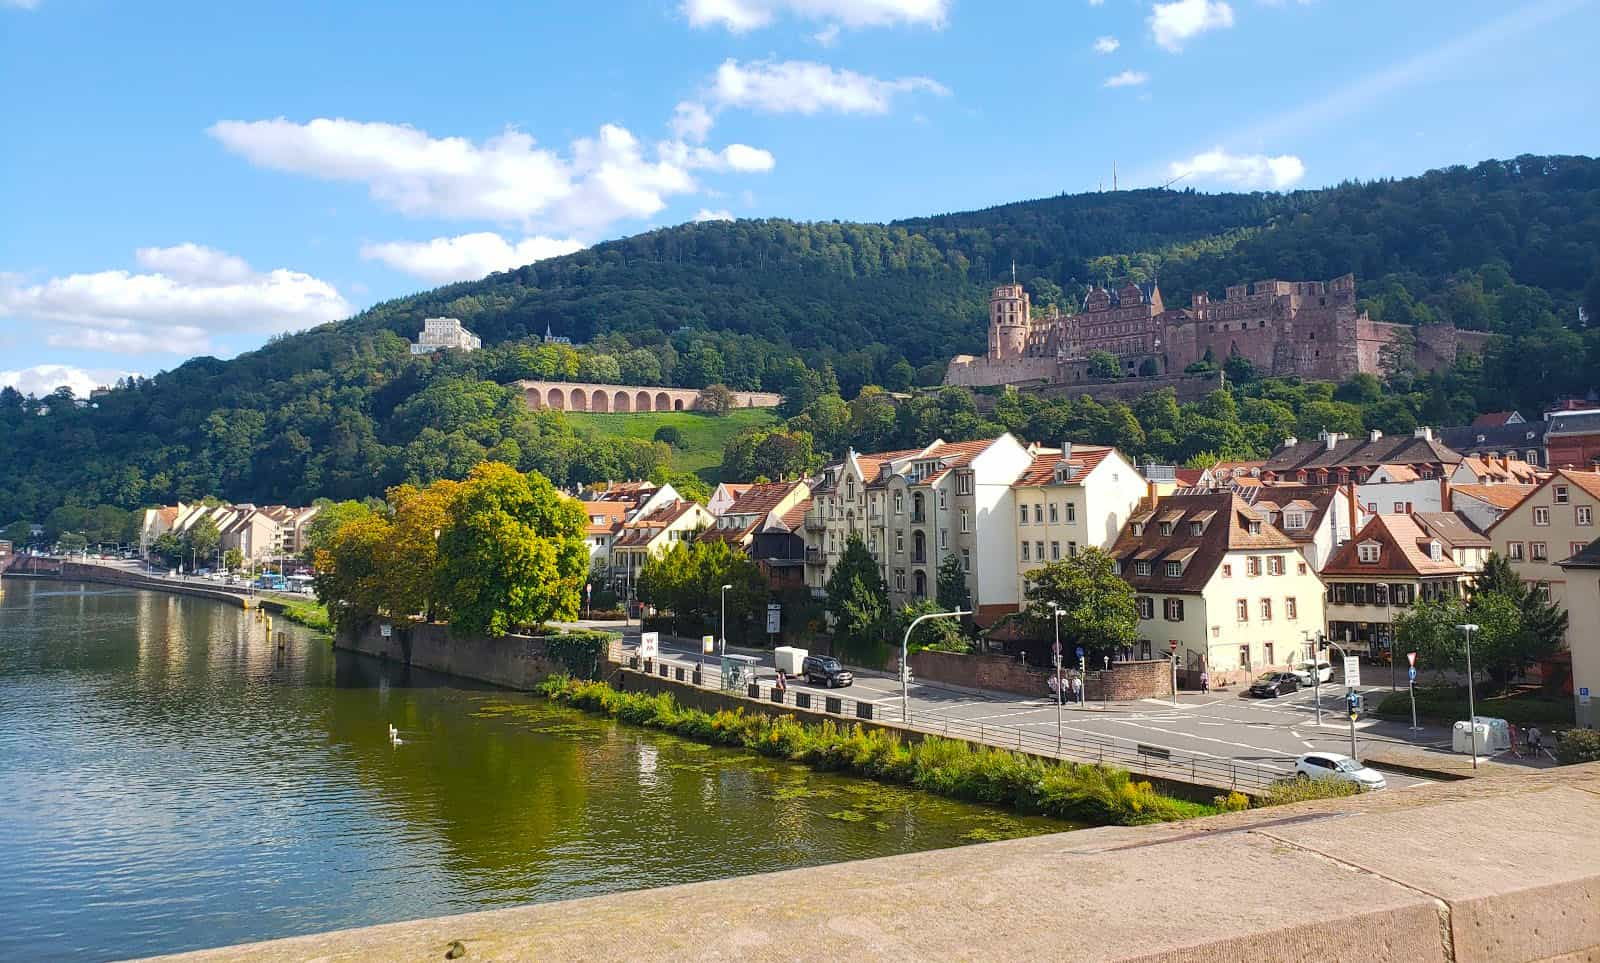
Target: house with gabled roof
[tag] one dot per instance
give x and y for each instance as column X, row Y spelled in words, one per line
column 1069, row 499
column 1392, row 563
column 1482, row 505
column 1554, row 521
column 1210, row 574
column 757, row 507
column 1391, row 474
column 1318, row 518
column 726, row 494
column 649, row 534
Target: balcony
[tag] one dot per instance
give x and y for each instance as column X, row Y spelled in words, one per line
column 814, row 556
column 814, row 522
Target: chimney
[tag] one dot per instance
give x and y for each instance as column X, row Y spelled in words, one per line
column 1423, row 432
column 1374, row 435
column 1290, row 441
column 1444, row 490
column 1332, row 439
column 1355, row 513
column 1066, row 451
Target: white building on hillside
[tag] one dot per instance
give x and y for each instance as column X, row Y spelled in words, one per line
column 441, row 333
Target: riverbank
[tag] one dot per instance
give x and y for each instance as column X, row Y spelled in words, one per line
column 1089, row 794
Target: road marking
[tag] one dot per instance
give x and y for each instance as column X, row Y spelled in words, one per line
column 1307, row 743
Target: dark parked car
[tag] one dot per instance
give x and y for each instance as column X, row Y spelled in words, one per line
column 826, row 671
column 1274, row 684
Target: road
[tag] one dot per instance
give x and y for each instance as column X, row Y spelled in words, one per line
column 1263, row 732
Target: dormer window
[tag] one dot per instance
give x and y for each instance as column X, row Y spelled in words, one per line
column 1367, row 553
column 1141, row 568
column 1166, row 528
column 1196, row 528
column 1433, row 551
column 1138, row 529
column 1174, row 569
column 1255, row 528
column 1294, row 519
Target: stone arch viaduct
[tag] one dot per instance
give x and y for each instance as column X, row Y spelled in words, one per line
column 582, row 396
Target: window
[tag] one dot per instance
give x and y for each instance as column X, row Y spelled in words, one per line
column 1541, row 515
column 1266, row 612
column 1195, row 528
column 966, row 522
column 1367, row 553
column 1339, row 593
column 1038, row 514
column 1585, row 515
column 899, row 503
column 1174, row 610
column 1561, row 494
column 1054, row 512
column 1055, row 551
column 966, row 560
column 1294, row 519
column 1252, row 565
column 1514, row 551
column 1574, row 548
column 1301, row 568
column 1358, row 594
column 1434, row 551
column 1022, row 515
column 1241, row 610
column 943, row 499
column 1147, row 607
column 1026, row 547
column 1532, row 457
column 1072, row 510
column 1266, row 652
column 1244, row 656
column 900, row 579
column 872, row 543
column 944, row 539
column 900, row 542
column 1291, row 611
column 1141, row 568
column 1399, row 507
column 1255, row 528
column 1372, row 507
column 964, row 483
column 1537, row 552
column 1072, row 550
column 1227, row 571
column 1038, row 550
column 1137, row 528
column 1174, row 569
column 1275, row 565
column 1166, row 528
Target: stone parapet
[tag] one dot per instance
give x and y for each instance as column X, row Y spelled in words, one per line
column 1496, row 869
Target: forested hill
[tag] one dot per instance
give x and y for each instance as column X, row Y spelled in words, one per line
column 1506, row 246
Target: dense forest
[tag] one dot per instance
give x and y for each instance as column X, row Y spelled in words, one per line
column 821, row 311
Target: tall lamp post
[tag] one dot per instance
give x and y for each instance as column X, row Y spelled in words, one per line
column 1316, row 670
column 905, row 664
column 1472, row 709
column 1348, row 691
column 1061, row 696
column 723, row 648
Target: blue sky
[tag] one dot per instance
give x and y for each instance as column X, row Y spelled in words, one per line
column 188, row 179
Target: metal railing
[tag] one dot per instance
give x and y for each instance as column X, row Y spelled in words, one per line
column 1161, row 762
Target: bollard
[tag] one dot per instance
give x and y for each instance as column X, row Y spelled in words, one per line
column 678, row 673
column 753, row 691
column 863, row 710
column 698, row 675
column 777, row 696
column 833, row 704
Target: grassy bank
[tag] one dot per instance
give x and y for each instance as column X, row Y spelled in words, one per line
column 704, row 436
column 1450, row 705
column 1081, row 793
column 306, row 612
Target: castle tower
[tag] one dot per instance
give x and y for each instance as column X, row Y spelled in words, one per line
column 1009, row 322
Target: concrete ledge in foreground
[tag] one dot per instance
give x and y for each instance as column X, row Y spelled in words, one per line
column 1498, row 868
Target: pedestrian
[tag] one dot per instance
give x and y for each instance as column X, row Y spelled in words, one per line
column 1077, row 690
column 1205, row 681
column 1535, row 739
column 783, row 682
column 1054, row 682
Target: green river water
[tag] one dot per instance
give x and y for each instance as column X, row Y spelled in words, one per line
column 170, row 779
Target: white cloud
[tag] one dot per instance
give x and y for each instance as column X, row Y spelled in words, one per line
column 1242, row 170
column 805, row 87
column 42, row 379
column 1173, row 24
column 704, row 214
column 194, row 293
column 20, row 4
column 506, row 179
column 827, row 36
column 1128, row 78
column 740, row 16
column 1096, row 3
column 465, row 257
column 740, row 158
column 1105, row 45
column 691, row 121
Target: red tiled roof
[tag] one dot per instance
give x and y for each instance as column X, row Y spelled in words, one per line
column 610, row 513
column 1043, row 469
column 1499, row 496
column 1492, row 419
column 1228, row 530
column 1400, row 473
column 1589, row 481
column 796, row 516
column 1400, row 552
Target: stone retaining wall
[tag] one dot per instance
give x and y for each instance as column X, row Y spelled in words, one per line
column 1122, row 682
column 103, row 575
column 514, row 661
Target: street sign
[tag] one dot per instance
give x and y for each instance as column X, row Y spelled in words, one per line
column 1173, row 643
column 774, row 617
column 1352, row 671
column 708, row 644
column 1080, row 651
column 1411, row 657
column 1411, row 674
column 1583, row 695
column 649, row 645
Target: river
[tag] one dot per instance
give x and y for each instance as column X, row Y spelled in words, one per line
column 170, row 779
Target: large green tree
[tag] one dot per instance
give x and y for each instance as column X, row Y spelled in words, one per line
column 512, row 555
column 858, row 603
column 1098, row 608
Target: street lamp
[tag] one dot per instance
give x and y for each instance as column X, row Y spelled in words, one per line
column 1349, row 689
column 723, row 649
column 1472, row 710
column 905, row 663
column 1055, row 612
column 1316, row 671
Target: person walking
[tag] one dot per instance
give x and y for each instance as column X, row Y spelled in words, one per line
column 1535, row 739
column 783, row 683
column 1205, row 681
column 1077, row 690
column 1055, row 688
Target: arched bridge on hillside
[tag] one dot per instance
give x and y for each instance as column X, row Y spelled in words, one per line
column 627, row 399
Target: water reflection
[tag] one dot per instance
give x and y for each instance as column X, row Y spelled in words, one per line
column 173, row 779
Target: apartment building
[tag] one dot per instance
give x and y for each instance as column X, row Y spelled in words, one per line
column 1392, row 563
column 755, row 509
column 1069, row 499
column 1391, row 475
column 1212, row 575
column 649, row 534
column 1553, row 522
column 1581, row 575
column 602, row 521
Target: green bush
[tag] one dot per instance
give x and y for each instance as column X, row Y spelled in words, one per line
column 1450, row 705
column 1578, row 745
column 669, row 434
column 580, row 652
column 959, row 770
column 1300, row 789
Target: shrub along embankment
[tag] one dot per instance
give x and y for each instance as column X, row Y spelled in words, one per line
column 1082, row 793
column 308, row 613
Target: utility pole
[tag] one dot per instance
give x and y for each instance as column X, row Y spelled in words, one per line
column 905, row 663
column 1055, row 611
column 1472, row 709
column 724, row 643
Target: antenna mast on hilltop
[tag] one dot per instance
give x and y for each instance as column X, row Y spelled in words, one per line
column 1013, row 270
column 1113, row 176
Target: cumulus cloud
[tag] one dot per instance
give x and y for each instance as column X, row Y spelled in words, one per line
column 42, row 379
column 1128, row 78
column 806, row 87
column 506, row 179
column 192, row 293
column 740, row 16
column 1242, row 170
column 1173, row 24
column 705, row 214
column 691, row 122
column 827, row 36
column 465, row 257
column 1105, row 45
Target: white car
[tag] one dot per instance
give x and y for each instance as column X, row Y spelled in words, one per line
column 1331, row 765
column 1303, row 673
